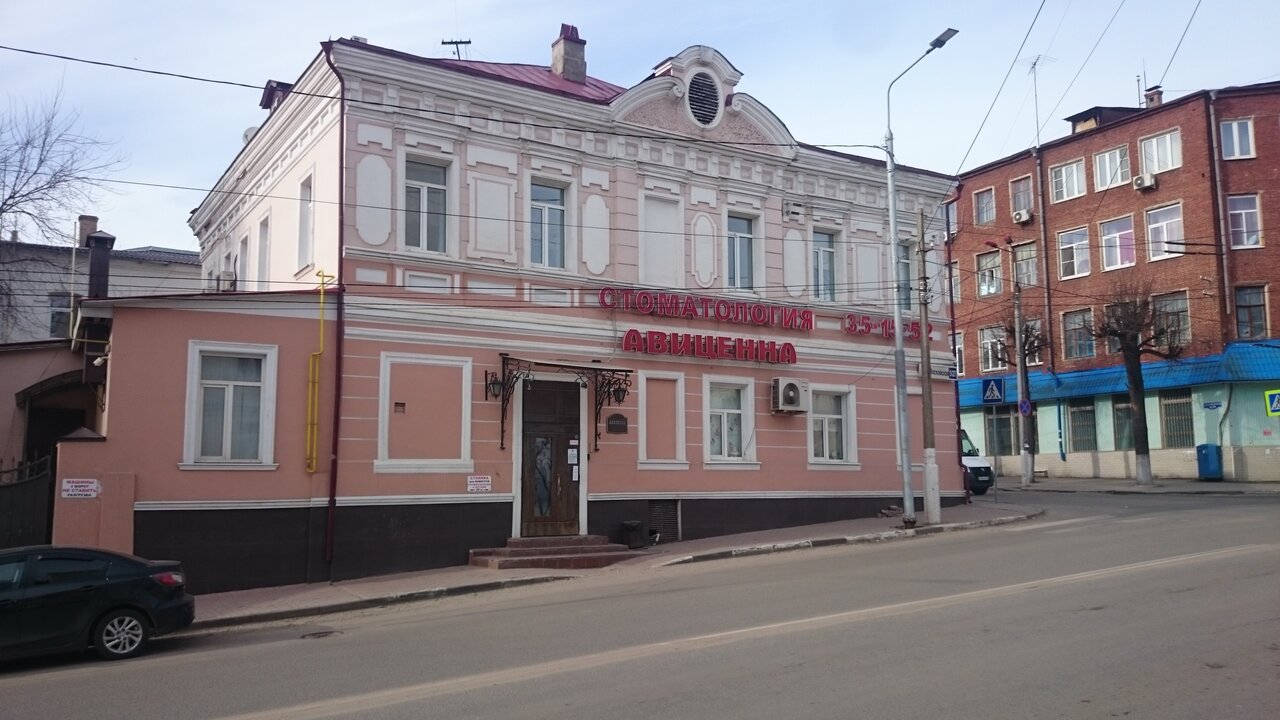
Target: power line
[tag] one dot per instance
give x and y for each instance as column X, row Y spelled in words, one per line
column 1179, row 45
column 1083, row 64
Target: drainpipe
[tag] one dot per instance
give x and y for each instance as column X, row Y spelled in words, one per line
column 1225, row 306
column 340, row 314
column 1048, row 296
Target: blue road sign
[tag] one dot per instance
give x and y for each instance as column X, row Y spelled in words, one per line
column 1273, row 402
column 993, row 391
column 1213, row 405
column 1024, row 407
column 951, row 372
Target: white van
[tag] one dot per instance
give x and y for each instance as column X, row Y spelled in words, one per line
column 978, row 473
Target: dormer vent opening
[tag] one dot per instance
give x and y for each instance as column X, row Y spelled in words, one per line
column 704, row 99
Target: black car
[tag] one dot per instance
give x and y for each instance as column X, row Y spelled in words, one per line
column 59, row 599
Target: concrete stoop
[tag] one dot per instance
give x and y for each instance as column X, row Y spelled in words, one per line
column 570, row 552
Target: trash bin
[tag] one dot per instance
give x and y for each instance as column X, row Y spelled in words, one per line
column 633, row 535
column 1209, row 461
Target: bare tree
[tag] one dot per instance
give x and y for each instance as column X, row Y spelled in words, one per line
column 1137, row 326
column 49, row 170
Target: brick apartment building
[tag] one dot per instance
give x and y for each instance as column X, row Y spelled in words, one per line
column 1179, row 195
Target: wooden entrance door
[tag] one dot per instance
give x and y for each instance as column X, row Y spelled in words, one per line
column 550, row 477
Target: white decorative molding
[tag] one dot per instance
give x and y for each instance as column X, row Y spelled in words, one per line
column 595, row 234
column 868, row 268
column 655, row 183
column 542, row 165
column 642, row 421
column 491, row 288
column 440, row 145
column 428, row 282
column 371, row 276
column 386, row 464
column 702, row 196
column 595, row 176
column 373, row 199
column 794, row 270
column 366, row 134
column 493, row 227
column 751, row 201
column 552, row 297
column 704, row 250
column 477, row 154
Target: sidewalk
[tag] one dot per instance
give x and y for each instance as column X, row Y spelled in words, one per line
column 293, row 601
column 1162, row 486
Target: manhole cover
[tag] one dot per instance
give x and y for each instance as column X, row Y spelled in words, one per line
column 321, row 634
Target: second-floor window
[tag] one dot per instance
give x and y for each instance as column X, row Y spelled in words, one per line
column 1117, row 243
column 1073, row 253
column 1020, row 194
column 1068, row 181
column 60, row 304
column 824, row 266
column 1031, row 339
column 957, row 347
column 1237, row 139
column 1162, row 152
column 1077, row 334
column 306, row 218
column 424, row 206
column 991, row 349
column 1251, row 312
column 264, row 252
column 1172, row 317
column 1025, row 262
column 546, row 226
column 740, row 254
column 1111, row 168
column 1164, row 232
column 989, row 282
column 984, row 207
column 1243, row 213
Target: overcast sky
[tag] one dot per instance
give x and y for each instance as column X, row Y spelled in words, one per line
column 822, row 67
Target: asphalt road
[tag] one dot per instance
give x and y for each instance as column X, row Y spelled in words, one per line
column 1109, row 606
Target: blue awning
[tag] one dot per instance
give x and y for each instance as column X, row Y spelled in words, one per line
column 1243, row 361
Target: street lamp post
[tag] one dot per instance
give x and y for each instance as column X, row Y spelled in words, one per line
column 900, row 293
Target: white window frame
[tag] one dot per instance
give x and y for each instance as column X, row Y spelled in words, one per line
column 978, row 204
column 1164, row 226
column 1066, row 344
column 849, row 429
column 1112, row 241
column 1076, row 262
column 66, row 306
column 681, row 460
column 306, row 223
column 1026, row 270
column 748, row 388
column 821, row 257
column 957, row 349
column 1234, row 126
column 1013, row 194
column 1150, row 147
column 269, row 355
column 1038, row 328
column 992, row 277
column 1105, row 167
column 1243, row 216
column 423, row 188
column 1059, row 180
column 736, row 239
column 566, row 209
column 992, row 360
column 387, row 465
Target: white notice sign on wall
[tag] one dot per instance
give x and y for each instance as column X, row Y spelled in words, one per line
column 80, row 487
column 479, row 483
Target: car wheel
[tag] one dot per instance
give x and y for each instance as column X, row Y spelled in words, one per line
column 979, row 491
column 121, row 634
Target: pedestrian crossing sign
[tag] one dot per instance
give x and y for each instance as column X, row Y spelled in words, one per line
column 1273, row 402
column 993, row 391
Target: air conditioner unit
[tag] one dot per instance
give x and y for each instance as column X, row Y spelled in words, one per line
column 1145, row 181
column 789, row 395
column 1022, row 217
column 227, row 281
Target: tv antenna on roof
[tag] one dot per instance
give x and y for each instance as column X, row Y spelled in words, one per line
column 457, row 46
column 1035, row 87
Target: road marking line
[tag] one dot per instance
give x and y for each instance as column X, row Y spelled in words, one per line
column 397, row 696
column 1042, row 526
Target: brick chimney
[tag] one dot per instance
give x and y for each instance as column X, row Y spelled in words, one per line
column 86, row 225
column 100, row 245
column 569, row 56
column 1154, row 96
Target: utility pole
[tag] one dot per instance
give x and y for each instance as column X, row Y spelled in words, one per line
column 1024, row 399
column 457, row 46
column 932, row 493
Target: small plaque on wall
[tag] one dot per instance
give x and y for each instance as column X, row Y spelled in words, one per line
column 616, row 424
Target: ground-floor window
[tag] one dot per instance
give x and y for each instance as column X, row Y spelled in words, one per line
column 827, row 425
column 230, row 403
column 1082, row 431
column 1122, row 421
column 1002, row 430
column 730, row 416
column 1176, row 425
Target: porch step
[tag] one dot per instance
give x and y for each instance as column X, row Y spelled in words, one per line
column 580, row 561
column 564, row 552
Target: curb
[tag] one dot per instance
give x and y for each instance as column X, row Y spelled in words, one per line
column 1182, row 493
column 867, row 538
column 364, row 603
